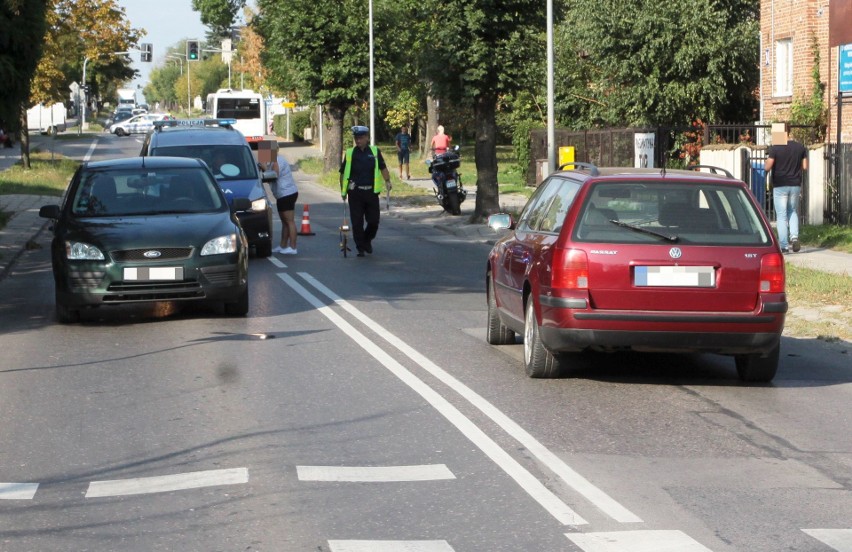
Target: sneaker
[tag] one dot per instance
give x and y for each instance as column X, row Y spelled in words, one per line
column 785, row 250
column 796, row 245
column 288, row 251
column 278, row 249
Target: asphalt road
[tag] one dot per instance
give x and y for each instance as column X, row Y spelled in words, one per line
column 358, row 408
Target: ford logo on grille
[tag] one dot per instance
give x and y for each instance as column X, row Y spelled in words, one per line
column 151, row 254
column 675, row 253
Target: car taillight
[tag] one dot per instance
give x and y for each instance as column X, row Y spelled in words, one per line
column 772, row 273
column 570, row 269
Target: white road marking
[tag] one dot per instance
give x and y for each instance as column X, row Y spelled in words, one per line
column 274, row 260
column 839, row 539
column 389, row 546
column 91, row 151
column 504, row 460
column 636, row 541
column 166, row 483
column 580, row 484
column 374, row 474
column 18, row 491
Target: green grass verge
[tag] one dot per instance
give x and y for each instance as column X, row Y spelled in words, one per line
column 49, row 175
column 817, row 291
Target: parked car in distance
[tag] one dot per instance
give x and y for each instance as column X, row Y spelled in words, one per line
column 144, row 230
column 611, row 259
column 138, row 124
column 229, row 156
column 117, row 116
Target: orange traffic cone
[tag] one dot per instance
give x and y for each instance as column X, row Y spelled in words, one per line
column 306, row 224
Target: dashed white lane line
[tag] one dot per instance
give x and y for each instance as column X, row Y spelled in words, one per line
column 277, row 262
column 636, row 541
column 389, row 546
column 839, row 539
column 527, row 481
column 166, row 483
column 572, row 478
column 18, row 491
column 374, row 474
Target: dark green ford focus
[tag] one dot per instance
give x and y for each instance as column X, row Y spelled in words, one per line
column 145, row 230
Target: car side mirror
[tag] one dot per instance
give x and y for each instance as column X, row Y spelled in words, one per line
column 501, row 221
column 49, row 212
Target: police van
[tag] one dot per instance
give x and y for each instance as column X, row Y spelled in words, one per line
column 226, row 152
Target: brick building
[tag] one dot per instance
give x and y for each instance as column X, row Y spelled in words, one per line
column 788, row 31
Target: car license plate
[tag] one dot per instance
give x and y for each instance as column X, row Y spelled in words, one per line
column 677, row 276
column 150, row 273
column 451, row 184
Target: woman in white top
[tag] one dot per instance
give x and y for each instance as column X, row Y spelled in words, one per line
column 285, row 193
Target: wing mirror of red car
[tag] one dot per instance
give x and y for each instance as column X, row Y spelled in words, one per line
column 501, row 221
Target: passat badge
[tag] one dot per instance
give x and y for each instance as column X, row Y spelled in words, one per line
column 151, row 254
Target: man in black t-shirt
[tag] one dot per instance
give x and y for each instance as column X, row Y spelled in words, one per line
column 786, row 162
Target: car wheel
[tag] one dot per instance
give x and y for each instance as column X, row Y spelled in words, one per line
column 538, row 361
column 65, row 315
column 121, row 132
column 496, row 333
column 263, row 249
column 240, row 307
column 756, row 368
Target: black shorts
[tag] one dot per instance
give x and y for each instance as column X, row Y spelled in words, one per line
column 402, row 155
column 287, row 203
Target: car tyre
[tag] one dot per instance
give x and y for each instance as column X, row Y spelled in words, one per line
column 240, row 307
column 757, row 368
column 496, row 333
column 65, row 315
column 263, row 249
column 538, row 361
column 121, row 132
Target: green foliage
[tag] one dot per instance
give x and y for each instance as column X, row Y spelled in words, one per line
column 219, row 15
column 299, row 121
column 811, row 110
column 22, row 28
column 650, row 63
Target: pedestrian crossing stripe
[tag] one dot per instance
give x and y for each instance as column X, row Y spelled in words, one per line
column 374, row 474
column 838, row 539
column 389, row 546
column 166, row 483
column 636, row 541
column 18, row 491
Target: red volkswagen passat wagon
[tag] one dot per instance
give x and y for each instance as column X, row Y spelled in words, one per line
column 611, row 259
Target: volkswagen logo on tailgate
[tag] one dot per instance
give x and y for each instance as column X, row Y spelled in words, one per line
column 675, row 253
column 152, row 254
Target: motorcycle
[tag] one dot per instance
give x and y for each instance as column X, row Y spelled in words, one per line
column 447, row 181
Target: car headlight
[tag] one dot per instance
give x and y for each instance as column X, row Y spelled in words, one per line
column 259, row 204
column 79, row 251
column 222, row 244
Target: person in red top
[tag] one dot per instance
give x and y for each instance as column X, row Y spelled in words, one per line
column 440, row 142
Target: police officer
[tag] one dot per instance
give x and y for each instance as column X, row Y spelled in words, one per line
column 363, row 175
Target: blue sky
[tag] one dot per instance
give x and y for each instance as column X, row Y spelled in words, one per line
column 166, row 22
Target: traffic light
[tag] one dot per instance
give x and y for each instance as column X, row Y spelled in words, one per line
column 147, row 51
column 192, row 50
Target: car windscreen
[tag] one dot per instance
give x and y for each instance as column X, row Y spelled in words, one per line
column 228, row 162
column 146, row 191
column 655, row 212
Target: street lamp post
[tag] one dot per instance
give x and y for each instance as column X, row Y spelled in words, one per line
column 372, row 98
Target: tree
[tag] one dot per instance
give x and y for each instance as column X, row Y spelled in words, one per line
column 218, row 15
column 476, row 52
column 327, row 43
column 649, row 63
column 22, row 28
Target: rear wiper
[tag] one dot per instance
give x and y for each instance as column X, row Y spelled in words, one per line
column 667, row 237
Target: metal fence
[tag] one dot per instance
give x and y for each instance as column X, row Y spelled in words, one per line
column 838, row 184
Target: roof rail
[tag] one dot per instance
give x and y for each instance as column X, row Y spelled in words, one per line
column 711, row 168
column 225, row 123
column 591, row 167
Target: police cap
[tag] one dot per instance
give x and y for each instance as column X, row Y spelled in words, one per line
column 360, row 130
